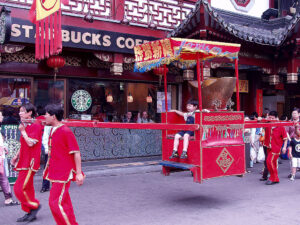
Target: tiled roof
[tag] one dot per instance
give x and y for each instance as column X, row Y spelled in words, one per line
column 264, row 32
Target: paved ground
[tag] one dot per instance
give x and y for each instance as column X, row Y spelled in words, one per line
column 141, row 195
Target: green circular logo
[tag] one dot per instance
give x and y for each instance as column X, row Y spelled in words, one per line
column 81, row 100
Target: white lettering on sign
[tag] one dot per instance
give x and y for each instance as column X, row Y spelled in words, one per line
column 27, row 30
column 119, row 40
column 106, row 41
column 96, row 39
column 15, row 30
column 65, row 35
column 78, row 37
column 75, row 39
column 84, row 38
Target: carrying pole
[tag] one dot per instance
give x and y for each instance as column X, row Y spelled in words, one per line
column 199, row 82
column 237, row 85
column 166, row 92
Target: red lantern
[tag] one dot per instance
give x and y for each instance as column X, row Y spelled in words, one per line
column 56, row 62
column 160, row 71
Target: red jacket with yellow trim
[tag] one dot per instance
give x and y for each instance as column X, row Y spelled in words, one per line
column 61, row 163
column 30, row 156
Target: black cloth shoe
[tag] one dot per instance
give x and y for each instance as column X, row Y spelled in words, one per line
column 44, row 190
column 174, row 155
column 23, row 218
column 271, row 182
column 263, row 179
column 33, row 214
column 183, row 155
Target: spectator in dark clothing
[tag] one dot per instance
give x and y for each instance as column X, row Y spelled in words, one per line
column 9, row 117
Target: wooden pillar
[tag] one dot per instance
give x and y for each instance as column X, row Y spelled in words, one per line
column 118, row 9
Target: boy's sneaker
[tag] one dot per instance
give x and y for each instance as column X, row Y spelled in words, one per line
column 174, row 155
column 183, row 155
column 292, row 178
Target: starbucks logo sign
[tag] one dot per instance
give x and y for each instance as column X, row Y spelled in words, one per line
column 81, row 100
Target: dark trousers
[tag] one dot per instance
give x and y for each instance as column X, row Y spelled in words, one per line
column 266, row 171
column 46, row 183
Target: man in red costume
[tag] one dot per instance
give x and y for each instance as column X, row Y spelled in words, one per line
column 27, row 162
column 63, row 166
column 275, row 137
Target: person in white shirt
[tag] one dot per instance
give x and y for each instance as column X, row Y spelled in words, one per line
column 45, row 140
column 4, row 183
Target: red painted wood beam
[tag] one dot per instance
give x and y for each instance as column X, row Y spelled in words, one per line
column 69, row 72
column 255, row 124
column 149, row 126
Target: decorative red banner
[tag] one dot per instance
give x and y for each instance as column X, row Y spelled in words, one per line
column 259, row 102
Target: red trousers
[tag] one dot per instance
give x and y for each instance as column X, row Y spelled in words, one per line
column 61, row 205
column 272, row 166
column 24, row 190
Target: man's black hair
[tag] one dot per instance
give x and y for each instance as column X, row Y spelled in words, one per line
column 273, row 113
column 254, row 114
column 29, row 107
column 193, row 102
column 41, row 110
column 55, row 109
column 284, row 117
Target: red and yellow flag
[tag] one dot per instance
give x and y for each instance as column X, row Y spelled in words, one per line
column 46, row 14
column 45, row 8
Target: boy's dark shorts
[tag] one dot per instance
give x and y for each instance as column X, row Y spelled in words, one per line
column 183, row 132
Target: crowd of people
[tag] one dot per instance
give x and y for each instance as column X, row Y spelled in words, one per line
column 129, row 117
column 271, row 144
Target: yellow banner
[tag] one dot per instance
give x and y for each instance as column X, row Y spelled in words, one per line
column 45, row 8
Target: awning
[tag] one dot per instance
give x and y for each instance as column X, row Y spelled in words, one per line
column 185, row 51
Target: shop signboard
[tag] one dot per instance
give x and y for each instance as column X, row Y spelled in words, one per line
column 23, row 31
column 161, row 102
column 243, row 86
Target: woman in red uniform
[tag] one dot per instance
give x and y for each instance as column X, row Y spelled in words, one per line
column 274, row 138
column 27, row 162
column 63, row 166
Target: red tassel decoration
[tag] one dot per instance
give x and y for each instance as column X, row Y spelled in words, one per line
column 42, row 38
column 51, row 35
column 37, row 40
column 47, row 37
column 59, row 33
column 48, row 33
column 55, row 33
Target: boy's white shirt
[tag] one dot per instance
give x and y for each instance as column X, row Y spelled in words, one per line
column 45, row 138
column 187, row 114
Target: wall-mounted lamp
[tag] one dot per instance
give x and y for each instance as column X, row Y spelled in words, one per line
column 109, row 98
column 129, row 98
